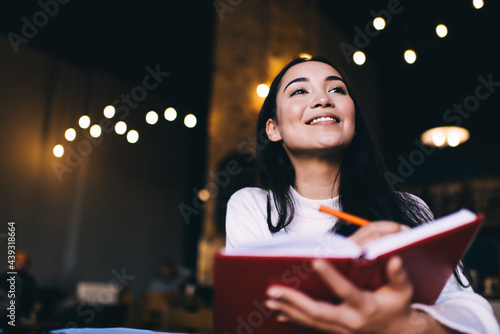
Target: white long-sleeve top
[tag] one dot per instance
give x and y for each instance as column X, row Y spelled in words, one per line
column 457, row 307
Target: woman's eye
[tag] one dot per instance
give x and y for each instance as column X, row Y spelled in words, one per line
column 340, row 90
column 298, row 91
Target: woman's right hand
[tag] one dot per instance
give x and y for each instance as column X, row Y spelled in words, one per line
column 375, row 230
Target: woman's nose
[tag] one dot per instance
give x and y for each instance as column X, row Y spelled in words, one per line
column 322, row 101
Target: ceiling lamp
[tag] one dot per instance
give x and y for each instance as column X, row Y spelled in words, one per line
column 445, row 136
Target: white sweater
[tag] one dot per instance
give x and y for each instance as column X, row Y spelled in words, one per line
column 457, row 307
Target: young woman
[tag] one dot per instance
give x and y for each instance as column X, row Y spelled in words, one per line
column 314, row 148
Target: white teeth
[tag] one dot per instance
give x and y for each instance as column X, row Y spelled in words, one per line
column 321, row 119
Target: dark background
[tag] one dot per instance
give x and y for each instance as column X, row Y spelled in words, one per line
column 122, row 37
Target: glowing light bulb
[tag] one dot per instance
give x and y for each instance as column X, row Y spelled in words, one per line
column 84, row 121
column 379, row 23
column 58, row 150
column 120, row 127
column 109, row 111
column 170, row 114
column 453, row 140
column 132, row 136
column 410, row 56
column 478, row 3
column 204, row 195
column 70, row 134
column 95, row 131
column 305, row 55
column 359, row 57
column 438, row 138
column 262, row 90
column 190, row 121
column 441, row 30
column 151, row 117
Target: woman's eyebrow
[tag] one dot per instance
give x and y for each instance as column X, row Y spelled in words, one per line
column 304, row 79
column 333, row 78
column 301, row 79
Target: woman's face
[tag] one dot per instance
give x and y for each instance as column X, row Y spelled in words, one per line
column 315, row 113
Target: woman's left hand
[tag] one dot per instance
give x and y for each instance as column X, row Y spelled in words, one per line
column 386, row 310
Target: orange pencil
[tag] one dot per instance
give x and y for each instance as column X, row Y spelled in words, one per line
column 344, row 216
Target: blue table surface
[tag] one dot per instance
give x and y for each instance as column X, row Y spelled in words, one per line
column 114, row 330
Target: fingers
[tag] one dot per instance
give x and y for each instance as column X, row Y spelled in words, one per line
column 337, row 283
column 398, row 278
column 295, row 306
column 359, row 309
column 376, row 230
column 399, row 285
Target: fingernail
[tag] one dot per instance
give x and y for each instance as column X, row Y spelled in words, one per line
column 281, row 318
column 319, row 264
column 273, row 292
column 271, row 304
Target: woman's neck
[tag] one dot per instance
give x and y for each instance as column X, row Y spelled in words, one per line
column 315, row 177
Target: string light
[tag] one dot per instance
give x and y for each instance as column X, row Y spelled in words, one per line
column 132, row 136
column 379, row 23
column 359, row 57
column 170, row 114
column 58, row 150
column 190, row 121
column 441, row 30
column 151, row 117
column 95, row 131
column 410, row 56
column 120, row 127
column 70, row 134
column 109, row 111
column 478, row 3
column 84, row 121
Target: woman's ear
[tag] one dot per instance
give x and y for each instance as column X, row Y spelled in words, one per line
column 273, row 133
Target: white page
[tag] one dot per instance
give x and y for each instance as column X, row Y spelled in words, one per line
column 394, row 241
column 329, row 245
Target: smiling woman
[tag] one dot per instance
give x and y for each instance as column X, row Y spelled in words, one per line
column 314, row 111
column 315, row 149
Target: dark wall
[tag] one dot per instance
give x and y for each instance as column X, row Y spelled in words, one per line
column 113, row 206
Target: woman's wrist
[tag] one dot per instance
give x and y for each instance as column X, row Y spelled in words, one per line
column 417, row 322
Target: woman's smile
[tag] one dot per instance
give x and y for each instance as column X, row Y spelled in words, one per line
column 314, row 110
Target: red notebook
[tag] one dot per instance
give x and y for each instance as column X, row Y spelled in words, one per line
column 430, row 254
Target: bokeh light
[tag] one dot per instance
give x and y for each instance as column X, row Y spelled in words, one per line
column 262, row 90
column 151, row 117
column 170, row 114
column 84, row 121
column 190, row 121
column 58, row 150
column 70, row 134
column 379, row 23
column 109, row 111
column 441, row 30
column 478, row 3
column 410, row 56
column 132, row 136
column 359, row 57
column 120, row 127
column 95, row 131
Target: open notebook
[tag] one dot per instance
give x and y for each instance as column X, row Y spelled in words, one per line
column 430, row 253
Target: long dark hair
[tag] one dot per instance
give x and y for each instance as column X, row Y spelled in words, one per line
column 362, row 187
